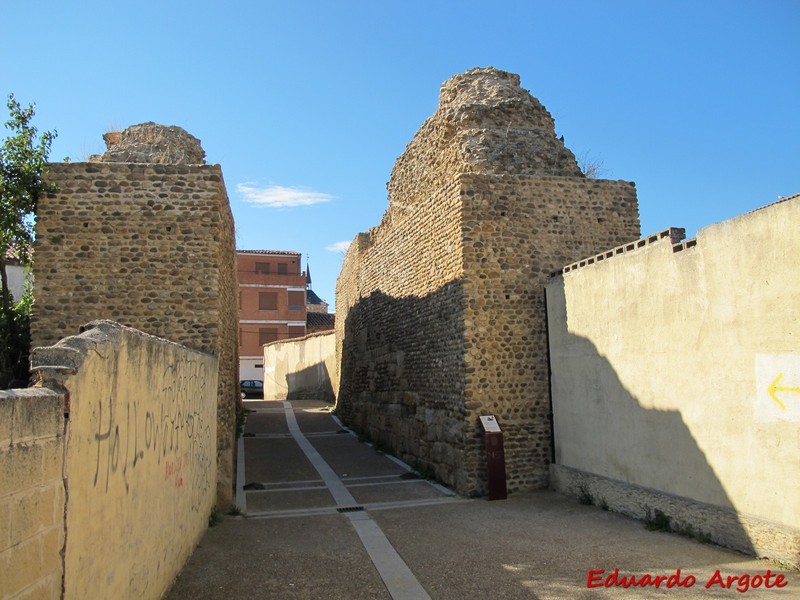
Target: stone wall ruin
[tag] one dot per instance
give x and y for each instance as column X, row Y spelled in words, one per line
column 151, row 143
column 149, row 245
column 440, row 308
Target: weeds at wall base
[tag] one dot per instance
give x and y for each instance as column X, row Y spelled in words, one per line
column 660, row 521
column 586, row 498
column 657, row 521
column 241, row 420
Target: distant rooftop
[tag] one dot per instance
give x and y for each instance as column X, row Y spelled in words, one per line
column 320, row 322
column 266, row 252
column 312, row 298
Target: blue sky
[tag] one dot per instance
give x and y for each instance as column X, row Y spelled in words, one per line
column 306, row 105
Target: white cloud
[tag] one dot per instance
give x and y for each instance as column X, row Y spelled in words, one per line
column 338, row 247
column 278, row 196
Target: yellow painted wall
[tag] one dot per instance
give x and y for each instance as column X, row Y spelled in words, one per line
column 31, row 493
column 140, row 458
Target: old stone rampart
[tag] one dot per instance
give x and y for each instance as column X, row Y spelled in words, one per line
column 442, row 309
column 676, row 380
column 150, row 246
column 107, row 465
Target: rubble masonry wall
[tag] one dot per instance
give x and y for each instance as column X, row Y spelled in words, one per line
column 150, row 246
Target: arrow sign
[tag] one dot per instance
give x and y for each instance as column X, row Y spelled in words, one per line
column 774, row 388
column 775, row 401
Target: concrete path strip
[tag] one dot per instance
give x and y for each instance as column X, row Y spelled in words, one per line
column 398, row 578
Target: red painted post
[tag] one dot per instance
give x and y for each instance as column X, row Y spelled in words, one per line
column 495, row 458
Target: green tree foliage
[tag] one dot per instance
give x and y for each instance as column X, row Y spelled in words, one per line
column 16, row 342
column 23, row 163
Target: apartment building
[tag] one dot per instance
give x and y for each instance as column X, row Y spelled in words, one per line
column 272, row 304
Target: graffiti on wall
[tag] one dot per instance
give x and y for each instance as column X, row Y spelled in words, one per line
column 167, row 427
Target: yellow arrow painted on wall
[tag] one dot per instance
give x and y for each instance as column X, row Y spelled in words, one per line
column 774, row 388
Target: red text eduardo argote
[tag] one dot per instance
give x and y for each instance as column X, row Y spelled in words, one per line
column 741, row 583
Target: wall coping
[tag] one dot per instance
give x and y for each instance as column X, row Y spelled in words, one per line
column 675, row 235
column 301, row 339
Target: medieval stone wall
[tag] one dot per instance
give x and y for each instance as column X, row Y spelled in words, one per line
column 516, row 231
column 442, row 304
column 400, row 344
column 150, row 246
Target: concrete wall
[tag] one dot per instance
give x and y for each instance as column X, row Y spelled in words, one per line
column 676, row 380
column 301, row 368
column 150, row 246
column 440, row 310
column 31, row 493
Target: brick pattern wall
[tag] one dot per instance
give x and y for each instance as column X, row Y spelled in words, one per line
column 31, row 493
column 442, row 305
column 151, row 247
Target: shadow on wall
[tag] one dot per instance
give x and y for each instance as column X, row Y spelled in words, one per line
column 402, row 382
column 613, row 452
column 313, row 382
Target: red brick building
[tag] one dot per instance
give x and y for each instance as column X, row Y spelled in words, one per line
column 272, row 304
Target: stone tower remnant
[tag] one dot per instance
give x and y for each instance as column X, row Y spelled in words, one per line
column 440, row 308
column 152, row 143
column 144, row 236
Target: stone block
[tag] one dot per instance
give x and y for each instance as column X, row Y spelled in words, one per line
column 31, row 513
column 37, row 413
column 20, row 566
column 47, row 588
column 21, row 467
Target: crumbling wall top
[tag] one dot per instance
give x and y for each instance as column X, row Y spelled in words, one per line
column 485, row 123
column 152, row 143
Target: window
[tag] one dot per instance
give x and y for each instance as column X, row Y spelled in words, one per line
column 267, row 335
column 262, row 267
column 282, row 269
column 297, row 300
column 267, row 301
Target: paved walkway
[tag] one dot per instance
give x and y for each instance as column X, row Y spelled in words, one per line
column 328, row 517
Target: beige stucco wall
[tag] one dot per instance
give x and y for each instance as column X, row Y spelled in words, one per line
column 300, row 368
column 662, row 362
column 140, row 462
